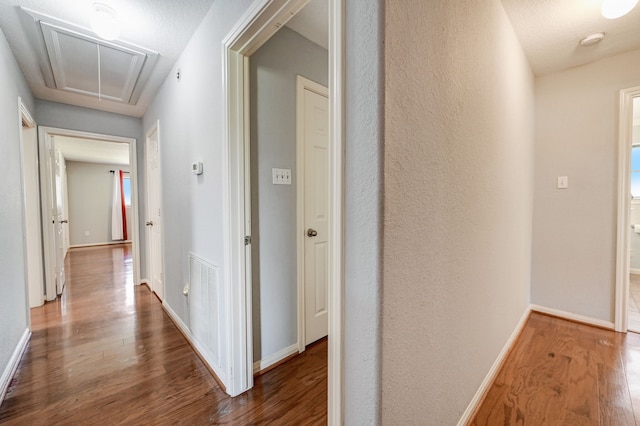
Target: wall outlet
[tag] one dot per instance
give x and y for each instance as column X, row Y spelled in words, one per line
column 87, row 233
column 281, row 176
column 563, row 182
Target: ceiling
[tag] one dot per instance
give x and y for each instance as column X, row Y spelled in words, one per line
column 148, row 26
column 93, row 151
column 549, row 32
column 312, row 22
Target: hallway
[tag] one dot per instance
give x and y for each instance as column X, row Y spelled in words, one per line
column 106, row 353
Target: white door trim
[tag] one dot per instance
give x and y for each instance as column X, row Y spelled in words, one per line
column 44, row 140
column 624, row 199
column 258, row 24
column 24, row 116
column 302, row 84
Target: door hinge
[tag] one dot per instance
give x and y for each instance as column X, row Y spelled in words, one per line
column 247, row 240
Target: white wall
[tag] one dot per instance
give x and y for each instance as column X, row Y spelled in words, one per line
column 13, row 291
column 458, row 186
column 90, row 202
column 273, row 72
column 573, row 263
column 191, row 123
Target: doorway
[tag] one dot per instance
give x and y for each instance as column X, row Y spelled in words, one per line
column 634, row 216
column 86, row 210
column 627, row 309
column 250, row 32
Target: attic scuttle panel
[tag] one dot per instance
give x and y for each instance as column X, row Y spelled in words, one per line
column 85, row 65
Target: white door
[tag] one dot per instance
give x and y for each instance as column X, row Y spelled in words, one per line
column 59, row 220
column 154, row 216
column 32, row 217
column 315, row 134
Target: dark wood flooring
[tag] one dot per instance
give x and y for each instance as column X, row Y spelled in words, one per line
column 564, row 373
column 105, row 353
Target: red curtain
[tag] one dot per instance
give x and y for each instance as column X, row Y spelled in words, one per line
column 124, row 207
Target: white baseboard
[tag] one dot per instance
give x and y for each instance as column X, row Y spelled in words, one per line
column 222, row 376
column 12, row 366
column 493, row 371
column 109, row 243
column 573, row 317
column 634, row 271
column 277, row 357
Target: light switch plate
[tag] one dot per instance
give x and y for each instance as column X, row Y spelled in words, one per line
column 281, row 176
column 563, row 182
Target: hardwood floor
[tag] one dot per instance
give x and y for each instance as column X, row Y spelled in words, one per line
column 106, row 353
column 564, row 373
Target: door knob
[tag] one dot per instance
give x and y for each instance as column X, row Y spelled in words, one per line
column 150, row 223
column 311, row 232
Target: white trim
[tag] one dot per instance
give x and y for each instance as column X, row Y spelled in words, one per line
column 493, row 371
column 335, row 409
column 573, row 317
column 275, row 358
column 624, row 191
column 302, row 83
column 155, row 128
column 12, row 365
column 634, row 271
column 44, row 137
column 201, row 351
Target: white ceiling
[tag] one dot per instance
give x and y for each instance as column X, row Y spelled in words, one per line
column 549, row 31
column 93, row 151
column 162, row 26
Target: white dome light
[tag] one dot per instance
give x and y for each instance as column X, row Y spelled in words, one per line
column 613, row 9
column 104, row 22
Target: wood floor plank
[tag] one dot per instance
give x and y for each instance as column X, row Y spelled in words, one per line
column 106, row 353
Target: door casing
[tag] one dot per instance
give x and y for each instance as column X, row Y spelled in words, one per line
column 254, row 28
column 624, row 204
column 45, row 135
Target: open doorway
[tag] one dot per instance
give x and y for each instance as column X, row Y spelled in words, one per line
column 89, row 198
column 634, row 231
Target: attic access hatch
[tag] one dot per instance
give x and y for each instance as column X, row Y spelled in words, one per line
column 75, row 61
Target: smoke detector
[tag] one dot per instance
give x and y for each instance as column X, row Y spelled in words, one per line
column 592, row 39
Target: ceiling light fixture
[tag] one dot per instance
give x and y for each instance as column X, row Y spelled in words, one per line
column 592, row 39
column 613, row 9
column 104, row 21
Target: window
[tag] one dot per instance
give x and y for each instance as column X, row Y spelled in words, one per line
column 126, row 184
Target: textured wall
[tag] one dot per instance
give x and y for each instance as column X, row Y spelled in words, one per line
column 13, row 291
column 458, row 186
column 274, row 68
column 364, row 97
column 573, row 264
column 90, row 187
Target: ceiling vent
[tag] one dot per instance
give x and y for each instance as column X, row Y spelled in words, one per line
column 73, row 60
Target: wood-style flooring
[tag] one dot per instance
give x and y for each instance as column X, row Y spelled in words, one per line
column 105, row 353
column 564, row 373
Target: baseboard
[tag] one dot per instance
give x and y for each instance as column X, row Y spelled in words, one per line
column 110, row 243
column 215, row 371
column 263, row 364
column 573, row 317
column 12, row 366
column 493, row 371
column 634, row 271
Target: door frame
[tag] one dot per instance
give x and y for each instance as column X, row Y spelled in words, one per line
column 302, row 84
column 624, row 204
column 254, row 28
column 24, row 116
column 44, row 142
column 154, row 128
